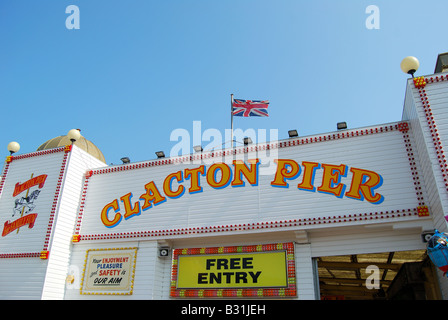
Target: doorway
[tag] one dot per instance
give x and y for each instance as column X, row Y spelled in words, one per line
column 399, row 275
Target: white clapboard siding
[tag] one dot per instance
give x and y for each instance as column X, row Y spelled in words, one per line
column 427, row 111
column 384, row 153
column 78, row 162
column 305, row 277
column 33, row 278
column 148, row 272
column 153, row 274
column 344, row 241
column 23, row 278
column 437, row 94
column 407, row 160
column 431, row 173
column 20, row 170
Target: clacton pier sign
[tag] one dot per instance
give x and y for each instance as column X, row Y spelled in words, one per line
column 303, row 182
column 363, row 184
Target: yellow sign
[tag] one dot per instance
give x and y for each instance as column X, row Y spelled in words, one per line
column 245, row 270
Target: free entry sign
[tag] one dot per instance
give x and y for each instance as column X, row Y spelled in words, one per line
column 258, row 270
column 261, row 269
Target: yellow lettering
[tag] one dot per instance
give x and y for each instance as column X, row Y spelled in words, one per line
column 226, row 174
column 308, row 175
column 152, row 196
column 283, row 173
column 250, row 174
column 104, row 214
column 331, row 179
column 167, row 185
column 364, row 182
column 129, row 211
column 193, row 175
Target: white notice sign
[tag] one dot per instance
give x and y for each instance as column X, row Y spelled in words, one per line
column 109, row 271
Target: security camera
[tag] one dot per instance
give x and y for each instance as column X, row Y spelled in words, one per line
column 426, row 235
column 164, row 252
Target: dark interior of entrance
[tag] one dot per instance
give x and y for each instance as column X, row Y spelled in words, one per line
column 403, row 275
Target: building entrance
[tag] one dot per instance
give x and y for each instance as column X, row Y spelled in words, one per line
column 399, row 275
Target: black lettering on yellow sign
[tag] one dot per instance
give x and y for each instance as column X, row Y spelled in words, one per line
column 229, row 277
column 232, row 263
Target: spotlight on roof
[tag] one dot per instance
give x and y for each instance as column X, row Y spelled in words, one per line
column 197, row 148
column 342, row 125
column 293, row 133
column 442, row 63
column 125, row 160
column 247, row 141
column 160, row 154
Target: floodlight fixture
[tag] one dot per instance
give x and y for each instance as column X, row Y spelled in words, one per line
column 342, row 125
column 293, row 133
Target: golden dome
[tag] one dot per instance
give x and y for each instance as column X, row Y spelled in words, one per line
column 82, row 143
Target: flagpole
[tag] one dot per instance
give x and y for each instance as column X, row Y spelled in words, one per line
column 231, row 119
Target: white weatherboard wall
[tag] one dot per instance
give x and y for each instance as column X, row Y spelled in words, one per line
column 304, row 272
column 262, row 213
column 28, row 240
column 23, row 275
column 383, row 153
column 147, row 272
column 78, row 162
column 426, row 109
column 23, row 278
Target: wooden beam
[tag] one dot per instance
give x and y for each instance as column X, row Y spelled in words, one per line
column 344, row 288
column 349, row 295
column 358, row 265
column 352, row 281
column 351, row 292
column 389, row 260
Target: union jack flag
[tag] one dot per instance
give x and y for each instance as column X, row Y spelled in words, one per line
column 250, row 108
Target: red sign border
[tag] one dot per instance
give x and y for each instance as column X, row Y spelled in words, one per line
column 44, row 254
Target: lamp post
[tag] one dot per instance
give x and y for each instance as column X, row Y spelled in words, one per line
column 74, row 135
column 13, row 147
column 409, row 65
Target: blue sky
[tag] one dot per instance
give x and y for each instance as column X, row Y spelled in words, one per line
column 137, row 70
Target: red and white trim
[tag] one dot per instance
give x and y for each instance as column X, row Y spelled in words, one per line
column 44, row 254
column 305, row 222
column 420, row 211
column 260, row 147
column 420, row 83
